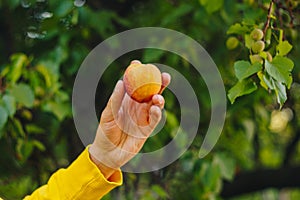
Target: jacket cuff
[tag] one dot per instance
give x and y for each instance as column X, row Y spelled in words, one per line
column 81, row 180
column 84, row 177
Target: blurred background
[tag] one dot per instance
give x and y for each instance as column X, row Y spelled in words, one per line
column 42, row 45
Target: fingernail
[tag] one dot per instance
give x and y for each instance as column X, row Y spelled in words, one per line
column 160, row 99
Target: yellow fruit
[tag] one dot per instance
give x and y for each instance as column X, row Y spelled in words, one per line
column 256, row 58
column 257, row 34
column 232, row 43
column 142, row 81
column 258, row 46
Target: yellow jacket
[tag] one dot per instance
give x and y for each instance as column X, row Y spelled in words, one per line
column 81, row 180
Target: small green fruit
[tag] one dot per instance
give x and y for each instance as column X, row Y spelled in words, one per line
column 269, row 56
column 258, row 46
column 257, row 34
column 232, row 43
column 256, row 58
column 268, row 36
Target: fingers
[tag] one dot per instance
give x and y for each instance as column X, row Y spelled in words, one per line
column 154, row 114
column 158, row 100
column 154, row 117
column 117, row 96
column 166, row 79
column 114, row 103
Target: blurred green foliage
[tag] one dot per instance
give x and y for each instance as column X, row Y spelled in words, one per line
column 43, row 44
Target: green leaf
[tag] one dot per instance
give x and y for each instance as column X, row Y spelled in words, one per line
column 33, row 129
column 212, row 5
column 265, row 80
column 60, row 110
column 38, row 145
column 284, row 48
column 19, row 128
column 152, row 55
column 241, row 88
column 23, row 94
column 280, row 91
column 269, row 83
column 243, row 69
column 105, row 16
column 248, row 41
column 16, row 187
column 10, row 104
column 238, row 29
column 5, row 71
column 61, row 9
column 75, row 15
column 280, row 69
column 171, row 119
column 262, row 54
column 226, row 164
column 159, row 191
column 24, row 149
column 173, row 16
column 211, row 176
column 46, row 75
column 3, row 117
column 181, row 137
column 19, row 61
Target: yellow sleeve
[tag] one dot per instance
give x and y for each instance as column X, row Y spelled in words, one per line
column 81, row 180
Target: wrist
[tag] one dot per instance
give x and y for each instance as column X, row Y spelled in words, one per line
column 105, row 170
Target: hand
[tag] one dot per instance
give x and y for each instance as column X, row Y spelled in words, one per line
column 124, row 127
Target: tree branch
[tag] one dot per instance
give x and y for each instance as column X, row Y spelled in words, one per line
column 261, row 179
column 267, row 24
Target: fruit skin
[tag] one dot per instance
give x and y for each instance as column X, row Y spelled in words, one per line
column 256, row 58
column 257, row 34
column 258, row 46
column 142, row 81
column 269, row 56
column 232, row 43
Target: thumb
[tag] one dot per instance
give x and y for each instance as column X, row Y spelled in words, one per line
column 114, row 103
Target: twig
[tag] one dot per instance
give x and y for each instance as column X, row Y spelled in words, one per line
column 267, row 24
column 2, row 88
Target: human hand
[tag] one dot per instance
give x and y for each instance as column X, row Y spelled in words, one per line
column 125, row 125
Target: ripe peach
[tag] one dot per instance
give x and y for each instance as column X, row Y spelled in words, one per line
column 142, row 81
